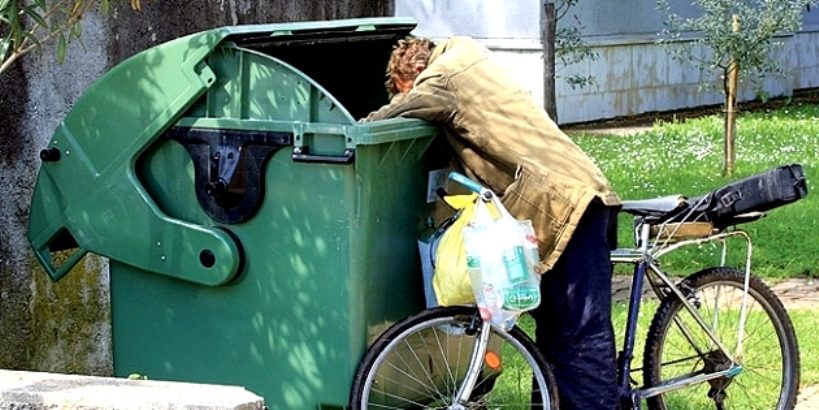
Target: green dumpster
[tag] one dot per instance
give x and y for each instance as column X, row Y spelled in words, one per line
column 258, row 235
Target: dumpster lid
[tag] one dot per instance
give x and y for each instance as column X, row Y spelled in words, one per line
column 346, row 58
column 320, row 32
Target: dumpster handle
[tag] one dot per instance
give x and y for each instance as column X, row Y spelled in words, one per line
column 56, row 273
column 302, row 154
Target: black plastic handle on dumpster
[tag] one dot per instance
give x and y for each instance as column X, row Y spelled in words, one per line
column 229, row 165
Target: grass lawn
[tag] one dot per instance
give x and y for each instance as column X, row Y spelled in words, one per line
column 806, row 323
column 686, row 158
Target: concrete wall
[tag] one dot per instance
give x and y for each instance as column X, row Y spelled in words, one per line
column 633, row 75
column 510, row 28
column 38, row 330
column 64, row 326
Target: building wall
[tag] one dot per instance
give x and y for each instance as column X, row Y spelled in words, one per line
column 64, row 326
column 632, row 75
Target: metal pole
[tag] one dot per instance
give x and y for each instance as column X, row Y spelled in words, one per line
column 547, row 37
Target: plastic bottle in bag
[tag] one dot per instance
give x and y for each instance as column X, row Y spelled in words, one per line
column 522, row 291
column 487, row 275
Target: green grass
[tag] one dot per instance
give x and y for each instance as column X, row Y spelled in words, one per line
column 806, row 323
column 686, row 158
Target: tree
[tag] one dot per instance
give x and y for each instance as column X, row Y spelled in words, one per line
column 27, row 25
column 738, row 37
column 564, row 43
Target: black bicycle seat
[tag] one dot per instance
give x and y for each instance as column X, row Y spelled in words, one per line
column 655, row 206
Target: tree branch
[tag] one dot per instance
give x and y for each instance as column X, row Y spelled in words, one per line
column 74, row 18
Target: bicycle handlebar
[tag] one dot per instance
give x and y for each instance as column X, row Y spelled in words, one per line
column 471, row 185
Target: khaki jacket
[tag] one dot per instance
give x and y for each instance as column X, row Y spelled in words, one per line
column 505, row 140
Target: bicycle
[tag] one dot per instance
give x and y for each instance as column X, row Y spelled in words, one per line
column 695, row 351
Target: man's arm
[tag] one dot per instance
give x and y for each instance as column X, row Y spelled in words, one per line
column 430, row 99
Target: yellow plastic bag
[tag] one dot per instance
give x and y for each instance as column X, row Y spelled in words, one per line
column 451, row 282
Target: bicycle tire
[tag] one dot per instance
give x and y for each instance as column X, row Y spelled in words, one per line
column 419, row 361
column 770, row 358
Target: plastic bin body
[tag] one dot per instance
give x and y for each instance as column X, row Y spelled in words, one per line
column 324, row 260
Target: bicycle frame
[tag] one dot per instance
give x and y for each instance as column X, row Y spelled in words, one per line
column 644, row 258
column 646, row 267
column 475, row 361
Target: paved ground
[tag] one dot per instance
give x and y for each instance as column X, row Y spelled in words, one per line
column 808, row 399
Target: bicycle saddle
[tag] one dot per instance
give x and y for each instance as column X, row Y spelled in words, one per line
column 655, row 206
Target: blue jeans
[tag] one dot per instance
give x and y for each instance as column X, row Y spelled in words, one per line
column 574, row 330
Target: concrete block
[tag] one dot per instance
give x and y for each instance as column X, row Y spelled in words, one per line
column 34, row 390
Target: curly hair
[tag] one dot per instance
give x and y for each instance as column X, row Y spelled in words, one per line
column 409, row 54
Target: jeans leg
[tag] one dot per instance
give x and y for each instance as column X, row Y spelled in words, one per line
column 573, row 322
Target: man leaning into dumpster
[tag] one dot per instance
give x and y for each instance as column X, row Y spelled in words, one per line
column 503, row 139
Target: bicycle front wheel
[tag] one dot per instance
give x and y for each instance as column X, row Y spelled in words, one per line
column 421, row 361
column 677, row 347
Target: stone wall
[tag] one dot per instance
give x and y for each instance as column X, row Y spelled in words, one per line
column 64, row 326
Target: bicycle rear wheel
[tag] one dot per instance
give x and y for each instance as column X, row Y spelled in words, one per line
column 677, row 346
column 421, row 361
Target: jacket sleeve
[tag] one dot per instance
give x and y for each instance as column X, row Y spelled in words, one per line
column 430, row 99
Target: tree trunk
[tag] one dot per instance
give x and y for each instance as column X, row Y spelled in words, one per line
column 548, row 27
column 731, row 80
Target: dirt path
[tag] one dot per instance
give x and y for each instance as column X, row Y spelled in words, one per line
column 798, row 293
column 794, row 293
column 808, row 399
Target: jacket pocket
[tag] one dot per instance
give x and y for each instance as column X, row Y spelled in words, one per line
column 531, row 197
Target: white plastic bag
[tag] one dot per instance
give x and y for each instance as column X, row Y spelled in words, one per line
column 501, row 253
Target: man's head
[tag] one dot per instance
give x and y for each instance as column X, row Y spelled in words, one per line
column 408, row 59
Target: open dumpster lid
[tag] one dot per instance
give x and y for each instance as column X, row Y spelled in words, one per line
column 347, row 58
column 314, row 32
